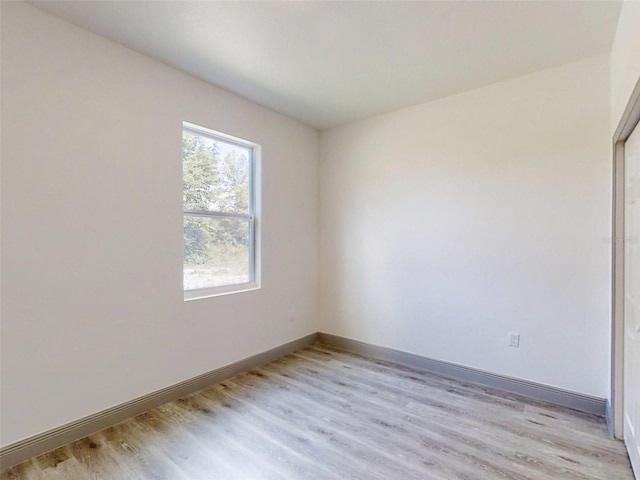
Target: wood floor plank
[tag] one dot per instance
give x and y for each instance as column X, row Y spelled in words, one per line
column 576, row 462
column 437, row 434
column 322, row 413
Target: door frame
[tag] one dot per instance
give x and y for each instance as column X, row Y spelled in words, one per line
column 630, row 118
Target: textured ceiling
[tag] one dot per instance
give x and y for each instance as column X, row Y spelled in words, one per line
column 327, row 63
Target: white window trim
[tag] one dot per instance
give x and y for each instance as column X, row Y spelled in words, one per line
column 255, row 177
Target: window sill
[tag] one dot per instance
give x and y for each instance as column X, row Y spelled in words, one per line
column 199, row 294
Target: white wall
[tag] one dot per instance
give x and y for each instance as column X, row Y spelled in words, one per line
column 625, row 59
column 446, row 225
column 625, row 74
column 92, row 307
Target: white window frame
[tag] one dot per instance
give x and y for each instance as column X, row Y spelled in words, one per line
column 252, row 216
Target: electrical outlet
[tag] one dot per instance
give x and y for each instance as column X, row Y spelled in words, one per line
column 514, row 339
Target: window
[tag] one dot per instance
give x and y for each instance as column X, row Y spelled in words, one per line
column 219, row 202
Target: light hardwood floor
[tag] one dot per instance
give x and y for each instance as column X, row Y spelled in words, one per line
column 324, row 414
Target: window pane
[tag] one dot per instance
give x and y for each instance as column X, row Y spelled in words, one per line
column 215, row 174
column 216, row 251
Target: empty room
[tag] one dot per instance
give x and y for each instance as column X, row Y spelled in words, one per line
column 264, row 240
